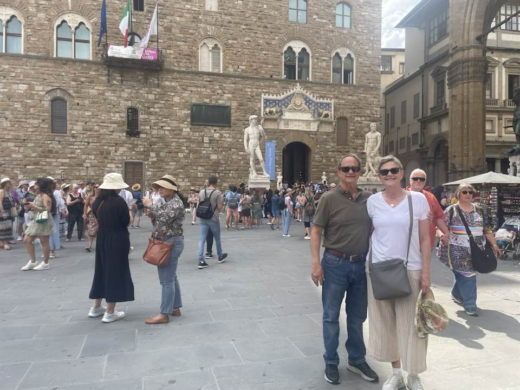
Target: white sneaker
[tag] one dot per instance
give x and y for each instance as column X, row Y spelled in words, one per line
column 117, row 315
column 394, row 382
column 306, row 238
column 30, row 266
column 93, row 313
column 19, row 238
column 415, row 383
column 286, row 235
column 42, row 266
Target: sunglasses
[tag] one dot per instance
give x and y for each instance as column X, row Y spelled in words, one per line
column 348, row 169
column 419, row 179
column 393, row 171
column 467, row 192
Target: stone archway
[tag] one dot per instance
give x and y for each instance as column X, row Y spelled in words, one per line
column 296, row 149
column 466, row 78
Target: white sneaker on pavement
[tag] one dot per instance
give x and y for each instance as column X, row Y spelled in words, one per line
column 42, row 266
column 97, row 312
column 415, row 382
column 116, row 315
column 19, row 238
column 394, row 382
column 306, row 238
column 29, row 266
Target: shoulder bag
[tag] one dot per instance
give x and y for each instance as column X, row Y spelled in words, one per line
column 484, row 260
column 42, row 216
column 204, row 210
column 158, row 252
column 390, row 278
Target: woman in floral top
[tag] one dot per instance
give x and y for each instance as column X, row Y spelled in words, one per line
column 167, row 221
column 457, row 254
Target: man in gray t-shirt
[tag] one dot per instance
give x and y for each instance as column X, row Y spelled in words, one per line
column 217, row 205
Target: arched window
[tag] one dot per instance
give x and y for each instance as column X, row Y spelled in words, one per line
column 82, row 42
column 343, row 67
column 342, row 129
column 298, row 11
column 337, row 68
column 343, row 15
column 297, row 61
column 59, row 116
column 132, row 119
column 11, row 30
column 73, row 37
column 1, row 36
column 13, row 36
column 210, row 56
column 64, row 40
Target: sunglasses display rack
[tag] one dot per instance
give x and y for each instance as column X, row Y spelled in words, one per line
column 511, row 202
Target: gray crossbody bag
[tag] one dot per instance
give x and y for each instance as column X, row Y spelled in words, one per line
column 390, row 278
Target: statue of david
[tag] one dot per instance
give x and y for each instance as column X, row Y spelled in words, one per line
column 253, row 135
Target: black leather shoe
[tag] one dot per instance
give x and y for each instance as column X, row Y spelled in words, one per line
column 365, row 371
column 332, row 374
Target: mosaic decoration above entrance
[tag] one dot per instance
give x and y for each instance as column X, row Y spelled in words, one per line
column 297, row 110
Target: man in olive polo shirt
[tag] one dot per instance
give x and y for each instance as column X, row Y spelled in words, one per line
column 343, row 218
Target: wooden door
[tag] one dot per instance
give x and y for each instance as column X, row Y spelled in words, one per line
column 134, row 173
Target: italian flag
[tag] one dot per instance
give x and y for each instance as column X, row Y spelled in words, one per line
column 126, row 22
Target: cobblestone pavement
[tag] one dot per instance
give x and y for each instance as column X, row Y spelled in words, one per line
column 251, row 323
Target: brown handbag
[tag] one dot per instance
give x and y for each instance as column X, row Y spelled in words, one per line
column 158, row 252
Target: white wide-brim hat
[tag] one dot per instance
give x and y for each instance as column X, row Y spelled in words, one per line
column 5, row 180
column 113, row 181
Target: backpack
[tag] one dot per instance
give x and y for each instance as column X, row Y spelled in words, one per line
column 281, row 203
column 233, row 201
column 139, row 204
column 309, row 207
column 204, row 210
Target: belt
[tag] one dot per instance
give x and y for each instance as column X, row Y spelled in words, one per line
column 351, row 258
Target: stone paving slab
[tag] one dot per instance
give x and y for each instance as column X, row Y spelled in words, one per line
column 251, row 323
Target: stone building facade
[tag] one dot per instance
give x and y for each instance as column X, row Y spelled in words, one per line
column 420, row 105
column 251, row 38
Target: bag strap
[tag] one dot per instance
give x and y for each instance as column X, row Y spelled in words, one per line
column 468, row 231
column 410, row 230
column 97, row 212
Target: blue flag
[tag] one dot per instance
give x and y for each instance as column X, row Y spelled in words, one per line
column 103, row 28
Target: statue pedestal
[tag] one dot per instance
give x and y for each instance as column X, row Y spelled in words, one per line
column 369, row 183
column 514, row 165
column 259, row 182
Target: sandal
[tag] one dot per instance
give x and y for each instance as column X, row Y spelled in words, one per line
column 7, row 247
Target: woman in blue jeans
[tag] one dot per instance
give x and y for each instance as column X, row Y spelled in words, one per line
column 457, row 254
column 167, row 221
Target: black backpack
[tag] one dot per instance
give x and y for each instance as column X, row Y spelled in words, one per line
column 281, row 203
column 139, row 203
column 204, row 210
column 309, row 207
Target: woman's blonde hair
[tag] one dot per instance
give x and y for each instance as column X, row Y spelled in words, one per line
column 388, row 159
column 461, row 187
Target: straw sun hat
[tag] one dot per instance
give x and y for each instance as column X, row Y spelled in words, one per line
column 167, row 181
column 136, row 187
column 113, row 181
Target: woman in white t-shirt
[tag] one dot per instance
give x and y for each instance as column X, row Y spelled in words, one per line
column 393, row 335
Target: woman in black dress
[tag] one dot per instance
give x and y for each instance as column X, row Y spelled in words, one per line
column 112, row 279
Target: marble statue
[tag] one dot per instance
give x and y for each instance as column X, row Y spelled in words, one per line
column 279, row 181
column 324, row 178
column 516, row 123
column 372, row 145
column 253, row 135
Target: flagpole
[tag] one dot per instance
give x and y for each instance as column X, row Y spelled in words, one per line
column 157, row 6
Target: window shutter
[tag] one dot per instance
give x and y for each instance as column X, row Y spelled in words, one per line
column 215, row 59
column 342, row 129
column 204, row 58
column 59, row 116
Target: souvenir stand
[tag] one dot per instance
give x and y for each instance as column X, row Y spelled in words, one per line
column 499, row 194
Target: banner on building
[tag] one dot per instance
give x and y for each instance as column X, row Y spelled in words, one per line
column 270, row 159
column 133, row 53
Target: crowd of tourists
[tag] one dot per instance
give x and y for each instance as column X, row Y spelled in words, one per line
column 376, row 258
